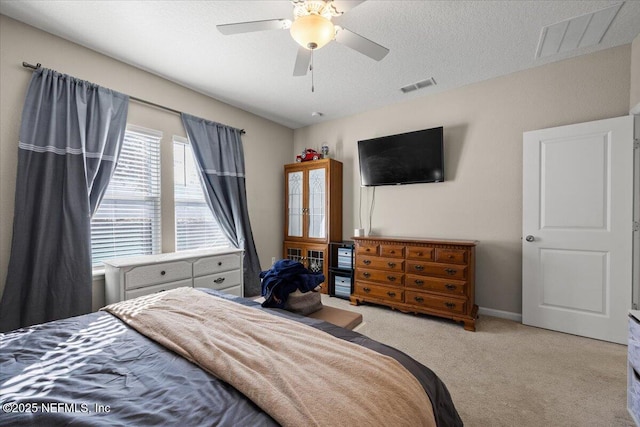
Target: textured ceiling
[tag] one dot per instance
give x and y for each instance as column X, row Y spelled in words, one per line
column 455, row 42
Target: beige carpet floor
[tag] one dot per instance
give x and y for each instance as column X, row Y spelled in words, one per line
column 508, row 374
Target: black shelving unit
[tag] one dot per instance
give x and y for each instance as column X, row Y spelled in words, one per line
column 341, row 258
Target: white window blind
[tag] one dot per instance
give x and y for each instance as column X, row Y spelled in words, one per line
column 127, row 222
column 196, row 226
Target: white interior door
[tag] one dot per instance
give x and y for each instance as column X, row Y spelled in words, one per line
column 578, row 228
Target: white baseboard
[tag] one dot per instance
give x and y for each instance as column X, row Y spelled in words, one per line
column 516, row 317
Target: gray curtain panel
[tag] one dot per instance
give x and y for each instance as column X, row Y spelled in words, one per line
column 220, row 158
column 70, row 140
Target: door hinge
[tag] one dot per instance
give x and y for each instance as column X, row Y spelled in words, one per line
column 636, row 143
column 636, row 226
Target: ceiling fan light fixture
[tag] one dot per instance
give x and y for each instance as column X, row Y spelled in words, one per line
column 312, row 31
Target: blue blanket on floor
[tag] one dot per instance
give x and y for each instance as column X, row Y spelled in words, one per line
column 284, row 277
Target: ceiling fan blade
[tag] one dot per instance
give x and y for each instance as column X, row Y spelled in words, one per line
column 303, row 59
column 249, row 27
column 363, row 45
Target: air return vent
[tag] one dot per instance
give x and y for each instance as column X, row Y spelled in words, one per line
column 581, row 31
column 418, row 85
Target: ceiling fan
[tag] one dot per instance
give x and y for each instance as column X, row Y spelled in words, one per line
column 315, row 23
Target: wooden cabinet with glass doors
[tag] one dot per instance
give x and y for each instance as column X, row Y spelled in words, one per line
column 313, row 212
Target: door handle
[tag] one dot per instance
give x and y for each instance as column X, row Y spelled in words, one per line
column 529, row 238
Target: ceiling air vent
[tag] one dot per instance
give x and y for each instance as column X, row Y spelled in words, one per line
column 581, row 31
column 418, row 85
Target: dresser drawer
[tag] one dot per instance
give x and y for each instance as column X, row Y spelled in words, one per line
column 145, row 275
column 367, row 249
column 380, row 276
column 381, row 263
column 215, row 264
column 452, row 271
column 454, row 287
column 423, row 299
column 452, row 256
column 419, row 253
column 380, row 292
column 155, row 289
column 218, row 281
column 392, row 251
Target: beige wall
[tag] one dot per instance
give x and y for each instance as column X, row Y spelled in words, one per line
column 634, row 101
column 482, row 196
column 267, row 145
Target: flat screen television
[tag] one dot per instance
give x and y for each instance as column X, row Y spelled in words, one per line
column 407, row 158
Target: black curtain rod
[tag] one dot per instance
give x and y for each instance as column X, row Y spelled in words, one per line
column 153, row 104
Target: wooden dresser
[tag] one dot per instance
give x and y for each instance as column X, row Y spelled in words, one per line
column 427, row 276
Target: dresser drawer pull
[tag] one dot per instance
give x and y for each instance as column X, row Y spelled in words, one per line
column 391, row 278
column 366, row 274
column 391, row 294
column 391, row 264
column 419, row 282
column 367, row 290
column 419, row 253
column 219, row 263
column 162, row 273
column 419, row 267
column 219, row 280
column 419, row 299
column 366, row 262
column 368, row 250
column 451, row 271
column 450, row 286
column 450, row 304
column 392, row 252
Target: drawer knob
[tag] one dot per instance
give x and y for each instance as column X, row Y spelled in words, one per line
column 366, row 274
column 366, row 261
column 391, row 264
column 451, row 271
column 419, row 282
column 219, row 263
column 391, row 294
column 419, row 253
column 162, row 273
column 391, row 278
column 451, row 257
column 219, row 280
column 419, row 267
column 367, row 290
column 368, row 250
column 450, row 286
column 419, row 299
column 393, row 252
column 450, row 305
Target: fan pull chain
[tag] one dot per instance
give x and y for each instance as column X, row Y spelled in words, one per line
column 311, row 69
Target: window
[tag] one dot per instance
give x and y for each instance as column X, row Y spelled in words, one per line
column 127, row 222
column 195, row 225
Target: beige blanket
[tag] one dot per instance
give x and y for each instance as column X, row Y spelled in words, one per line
column 297, row 374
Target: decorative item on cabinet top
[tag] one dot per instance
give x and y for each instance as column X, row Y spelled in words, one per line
column 429, row 276
column 217, row 268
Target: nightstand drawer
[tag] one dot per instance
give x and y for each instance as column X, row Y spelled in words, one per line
column 215, row 264
column 157, row 288
column 144, row 275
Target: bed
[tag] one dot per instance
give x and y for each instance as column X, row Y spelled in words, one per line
column 103, row 368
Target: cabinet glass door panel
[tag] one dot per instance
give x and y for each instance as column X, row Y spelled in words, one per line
column 317, row 204
column 315, row 260
column 295, row 205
